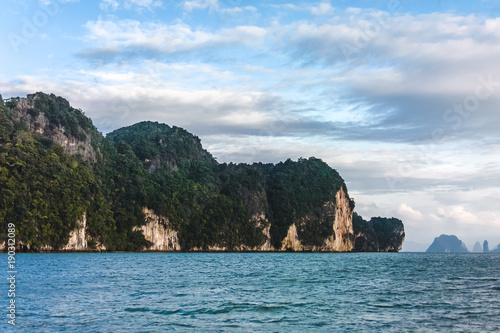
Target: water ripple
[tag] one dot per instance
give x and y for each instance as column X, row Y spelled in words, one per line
column 257, row 292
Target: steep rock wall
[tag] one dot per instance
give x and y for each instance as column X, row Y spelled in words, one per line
column 291, row 242
column 159, row 232
column 396, row 243
column 41, row 125
column 260, row 220
column 342, row 239
column 77, row 238
column 342, row 227
column 78, row 241
column 266, row 246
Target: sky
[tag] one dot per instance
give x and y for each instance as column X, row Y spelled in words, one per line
column 402, row 97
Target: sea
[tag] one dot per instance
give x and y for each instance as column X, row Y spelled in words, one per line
column 254, row 292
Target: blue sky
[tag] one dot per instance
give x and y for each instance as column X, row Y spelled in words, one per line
column 401, row 97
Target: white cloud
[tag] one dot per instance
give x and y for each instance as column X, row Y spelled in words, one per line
column 116, row 36
column 406, row 212
column 109, row 5
column 200, row 4
column 215, row 6
column 127, row 98
column 138, row 5
column 459, row 214
column 237, row 10
column 142, row 4
column 323, row 8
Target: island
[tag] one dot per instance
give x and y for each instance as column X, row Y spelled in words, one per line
column 447, row 243
column 152, row 187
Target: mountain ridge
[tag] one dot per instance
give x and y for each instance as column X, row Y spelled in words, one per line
column 150, row 186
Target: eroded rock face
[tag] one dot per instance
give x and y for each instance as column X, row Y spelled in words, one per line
column 78, row 241
column 41, row 125
column 342, row 239
column 397, row 242
column 342, row 227
column 159, row 232
column 259, row 219
column 292, row 242
column 77, row 238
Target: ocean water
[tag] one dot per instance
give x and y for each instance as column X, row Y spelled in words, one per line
column 255, row 292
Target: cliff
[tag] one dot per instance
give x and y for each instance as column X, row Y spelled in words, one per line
column 342, row 238
column 378, row 235
column 159, row 233
column 78, row 140
column 152, row 187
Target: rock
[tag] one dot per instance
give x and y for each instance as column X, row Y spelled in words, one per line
column 477, row 247
column 291, row 241
column 447, row 243
column 77, row 238
column 486, row 247
column 159, row 233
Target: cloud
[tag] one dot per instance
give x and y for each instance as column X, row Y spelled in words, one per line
column 458, row 214
column 138, row 5
column 401, row 69
column 409, row 71
column 200, row 4
column 216, row 6
column 109, row 5
column 406, row 212
column 323, row 8
column 132, row 38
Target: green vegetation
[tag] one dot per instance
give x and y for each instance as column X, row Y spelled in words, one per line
column 45, row 191
column 60, row 114
column 297, row 191
column 378, row 234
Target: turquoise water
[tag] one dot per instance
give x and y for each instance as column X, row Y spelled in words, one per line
column 261, row 292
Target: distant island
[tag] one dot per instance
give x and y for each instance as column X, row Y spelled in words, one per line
column 152, row 187
column 447, row 243
column 451, row 244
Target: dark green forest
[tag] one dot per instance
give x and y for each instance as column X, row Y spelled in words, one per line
column 44, row 190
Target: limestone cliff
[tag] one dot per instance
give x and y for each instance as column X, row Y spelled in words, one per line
column 292, row 241
column 342, row 238
column 77, row 237
column 78, row 241
column 261, row 218
column 378, row 235
column 260, row 221
column 39, row 123
column 159, row 233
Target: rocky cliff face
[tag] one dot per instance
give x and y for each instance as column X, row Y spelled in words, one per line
column 159, row 233
column 260, row 220
column 342, row 239
column 292, row 241
column 396, row 242
column 39, row 124
column 78, row 241
column 77, row 238
column 378, row 235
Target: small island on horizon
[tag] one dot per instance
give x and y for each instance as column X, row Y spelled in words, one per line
column 452, row 244
column 152, row 187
